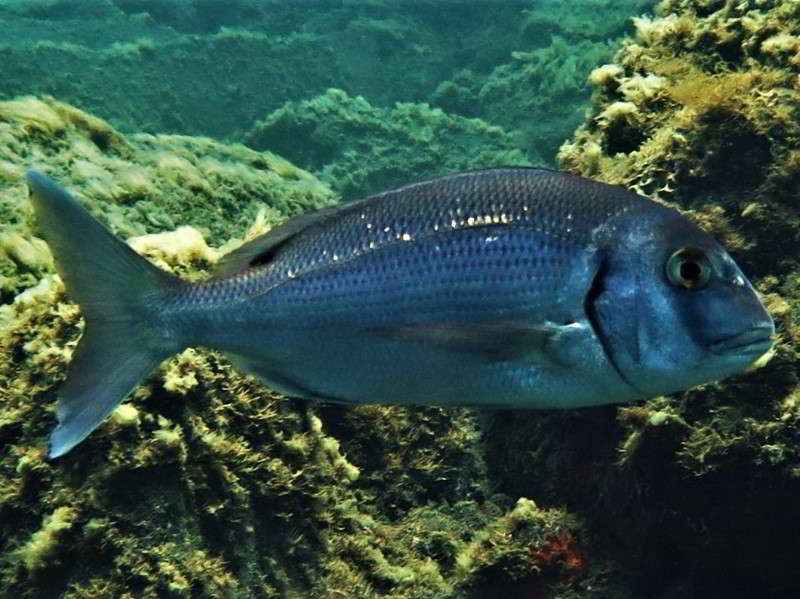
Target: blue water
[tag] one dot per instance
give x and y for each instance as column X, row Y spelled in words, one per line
column 208, row 485
column 219, row 68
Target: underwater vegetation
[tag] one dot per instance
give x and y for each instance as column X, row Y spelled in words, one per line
column 201, row 67
column 358, row 148
column 207, row 485
column 699, row 491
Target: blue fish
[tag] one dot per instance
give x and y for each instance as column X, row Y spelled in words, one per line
column 512, row 287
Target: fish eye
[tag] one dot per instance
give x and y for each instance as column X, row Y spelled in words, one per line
column 689, row 268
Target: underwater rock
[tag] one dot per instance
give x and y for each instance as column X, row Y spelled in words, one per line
column 540, row 94
column 359, row 149
column 216, row 188
column 149, row 78
column 697, row 491
column 204, row 67
column 206, row 484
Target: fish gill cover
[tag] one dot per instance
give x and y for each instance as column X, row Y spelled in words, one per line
column 205, row 484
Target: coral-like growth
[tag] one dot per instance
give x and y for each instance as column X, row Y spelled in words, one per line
column 359, row 148
column 36, row 553
column 204, row 483
column 699, row 110
column 560, row 551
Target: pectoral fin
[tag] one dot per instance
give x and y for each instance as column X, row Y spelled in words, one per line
column 497, row 341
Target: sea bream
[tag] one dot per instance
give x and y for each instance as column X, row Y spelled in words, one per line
column 511, row 287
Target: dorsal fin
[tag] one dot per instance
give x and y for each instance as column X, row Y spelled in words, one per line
column 260, row 250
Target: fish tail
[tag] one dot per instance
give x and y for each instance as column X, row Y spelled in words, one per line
column 118, row 292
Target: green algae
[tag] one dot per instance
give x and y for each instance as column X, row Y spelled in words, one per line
column 538, row 94
column 204, row 483
column 359, row 148
column 163, row 82
column 699, row 110
column 216, row 188
column 215, row 68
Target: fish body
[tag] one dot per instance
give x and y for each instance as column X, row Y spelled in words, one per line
column 514, row 287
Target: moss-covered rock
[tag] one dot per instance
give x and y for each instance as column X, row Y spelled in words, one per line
column 539, row 94
column 204, row 483
column 694, row 493
column 136, row 185
column 359, row 148
column 169, row 83
column 204, row 67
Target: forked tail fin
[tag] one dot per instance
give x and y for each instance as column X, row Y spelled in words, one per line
column 119, row 293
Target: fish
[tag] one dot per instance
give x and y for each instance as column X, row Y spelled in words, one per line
column 514, row 287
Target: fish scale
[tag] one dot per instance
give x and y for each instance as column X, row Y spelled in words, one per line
column 512, row 287
column 537, row 199
column 532, row 199
column 447, row 272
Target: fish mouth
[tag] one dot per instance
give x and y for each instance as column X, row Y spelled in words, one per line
column 755, row 341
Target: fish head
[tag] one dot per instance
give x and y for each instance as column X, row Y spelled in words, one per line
column 670, row 305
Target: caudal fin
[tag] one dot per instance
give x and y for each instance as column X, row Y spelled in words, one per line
column 119, row 293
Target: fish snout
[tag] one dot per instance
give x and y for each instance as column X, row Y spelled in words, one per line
column 754, row 341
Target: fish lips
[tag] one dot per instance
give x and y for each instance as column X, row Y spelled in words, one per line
column 754, row 341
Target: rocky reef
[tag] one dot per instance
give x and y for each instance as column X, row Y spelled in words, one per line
column 200, row 67
column 695, row 493
column 358, row 148
column 206, row 484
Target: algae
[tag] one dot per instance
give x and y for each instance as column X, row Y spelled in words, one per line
column 204, row 483
column 539, row 94
column 358, row 148
column 200, row 67
column 216, row 188
column 697, row 491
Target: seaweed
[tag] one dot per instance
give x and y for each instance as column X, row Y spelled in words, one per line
column 205, row 483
